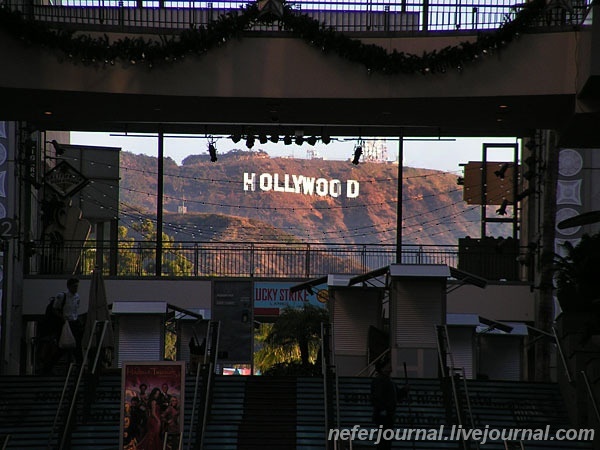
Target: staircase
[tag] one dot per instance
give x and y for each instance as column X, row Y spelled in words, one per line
column 282, row 413
column 497, row 404
column 269, row 418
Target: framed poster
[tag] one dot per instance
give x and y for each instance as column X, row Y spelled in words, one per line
column 152, row 395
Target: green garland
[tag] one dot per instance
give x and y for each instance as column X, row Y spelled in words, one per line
column 100, row 51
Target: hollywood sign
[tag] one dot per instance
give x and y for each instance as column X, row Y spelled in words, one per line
column 300, row 184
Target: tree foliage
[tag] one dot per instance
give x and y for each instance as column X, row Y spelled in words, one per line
column 299, row 328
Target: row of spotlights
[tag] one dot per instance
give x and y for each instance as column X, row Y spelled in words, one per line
column 287, row 140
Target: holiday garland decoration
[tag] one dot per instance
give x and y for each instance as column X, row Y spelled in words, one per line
column 93, row 50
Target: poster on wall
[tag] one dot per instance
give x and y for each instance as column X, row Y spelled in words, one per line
column 152, row 395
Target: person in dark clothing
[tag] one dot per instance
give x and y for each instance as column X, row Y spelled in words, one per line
column 66, row 306
column 385, row 396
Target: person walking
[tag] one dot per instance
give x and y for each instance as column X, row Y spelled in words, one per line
column 71, row 314
column 385, row 396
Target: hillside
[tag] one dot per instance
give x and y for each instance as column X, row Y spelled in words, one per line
column 315, row 200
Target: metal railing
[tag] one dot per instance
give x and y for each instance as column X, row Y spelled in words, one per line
column 345, row 16
column 234, row 259
column 590, row 393
column 212, row 350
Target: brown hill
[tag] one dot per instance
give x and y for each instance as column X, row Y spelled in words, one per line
column 287, row 199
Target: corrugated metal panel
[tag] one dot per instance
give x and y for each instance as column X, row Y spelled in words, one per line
column 500, row 357
column 140, row 338
column 462, row 340
column 353, row 313
column 418, row 309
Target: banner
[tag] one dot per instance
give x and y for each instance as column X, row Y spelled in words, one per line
column 271, row 297
column 152, row 396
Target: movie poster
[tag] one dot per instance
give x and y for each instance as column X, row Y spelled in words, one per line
column 152, row 399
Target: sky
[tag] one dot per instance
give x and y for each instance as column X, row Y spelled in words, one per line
column 442, row 154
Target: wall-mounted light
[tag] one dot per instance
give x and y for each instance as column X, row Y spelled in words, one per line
column 502, row 209
column 501, row 172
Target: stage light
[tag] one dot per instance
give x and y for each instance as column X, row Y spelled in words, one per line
column 357, row 154
column 262, row 138
column 311, row 140
column 299, row 140
column 325, row 139
column 274, row 138
column 235, row 138
column 212, row 151
column 250, row 141
column 287, row 140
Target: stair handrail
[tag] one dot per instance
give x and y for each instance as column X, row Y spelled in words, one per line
column 5, row 444
column 80, row 376
column 468, row 398
column 372, row 363
column 60, row 403
column 591, row 395
column 562, row 355
column 326, row 369
column 210, row 377
column 194, row 401
column 166, row 440
column 209, row 380
column 451, row 371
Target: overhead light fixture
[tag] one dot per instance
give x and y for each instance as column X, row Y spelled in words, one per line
column 299, row 140
column 325, row 139
column 250, row 141
column 502, row 210
column 501, row 172
column 212, row 151
column 357, row 153
column 274, row 138
column 235, row 138
column 287, row 140
column 311, row 140
column 262, row 138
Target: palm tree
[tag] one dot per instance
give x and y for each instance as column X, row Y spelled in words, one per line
column 268, row 355
column 299, row 327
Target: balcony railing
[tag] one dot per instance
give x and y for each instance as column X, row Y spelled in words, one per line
column 345, row 16
column 229, row 259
